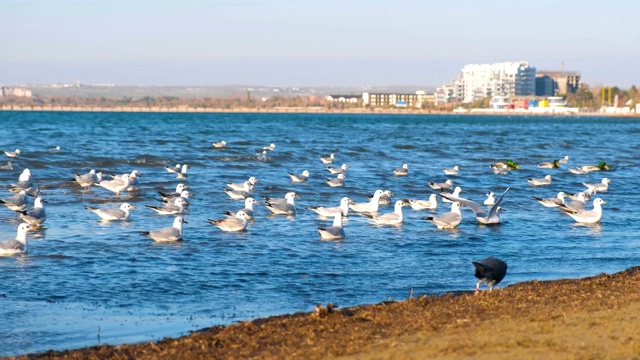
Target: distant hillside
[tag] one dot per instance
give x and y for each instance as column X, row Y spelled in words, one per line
column 138, row 92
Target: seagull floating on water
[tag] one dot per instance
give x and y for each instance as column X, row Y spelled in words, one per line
column 283, row 208
column 394, row 218
column 403, row 171
column 451, row 171
column 598, row 187
column 328, row 159
column 17, row 245
column 551, row 202
column 337, row 181
column 35, row 216
column 219, row 145
column 168, row 234
column 441, row 185
column 430, row 204
column 299, row 178
column 540, row 182
column 586, row 216
column 236, row 223
column 343, row 209
column 448, row 220
column 333, row 232
column 13, row 154
column 119, row 214
column 341, row 170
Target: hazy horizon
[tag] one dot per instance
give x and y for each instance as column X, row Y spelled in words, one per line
column 328, row 44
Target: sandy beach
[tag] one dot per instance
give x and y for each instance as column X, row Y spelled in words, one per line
column 589, row 318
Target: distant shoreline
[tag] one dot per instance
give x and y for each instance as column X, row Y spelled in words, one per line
column 281, row 110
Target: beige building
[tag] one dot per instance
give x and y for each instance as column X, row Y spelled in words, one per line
column 550, row 83
column 414, row 100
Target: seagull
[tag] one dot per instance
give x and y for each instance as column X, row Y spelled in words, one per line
column 13, row 154
column 331, row 211
column 262, row 156
column 448, row 220
column 482, row 217
column 341, row 170
column 17, row 245
column 284, row 208
column 36, row 215
column 239, row 194
column 491, row 199
column 586, row 216
column 88, row 179
column 133, row 180
column 489, row 271
column 243, row 185
column 115, row 185
column 579, row 201
column 441, row 186
column 185, row 195
column 299, row 178
column 17, row 202
column 385, row 198
column 219, row 145
column 551, row 202
column 179, row 189
column 180, row 171
column 120, row 214
column 337, row 181
column 168, row 234
column 24, row 182
column 328, row 159
column 394, row 218
column 598, row 187
column 456, row 192
column 430, row 204
column 370, row 207
column 577, row 171
column 7, row 166
column 173, row 169
column 451, row 171
column 281, row 200
column 236, row 223
column 403, row 171
column 550, row 165
column 333, row 232
column 564, row 160
column 540, row 182
column 177, row 207
column 248, row 208
column 271, row 147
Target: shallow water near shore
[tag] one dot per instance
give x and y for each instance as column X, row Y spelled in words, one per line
column 85, row 282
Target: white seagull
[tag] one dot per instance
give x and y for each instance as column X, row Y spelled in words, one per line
column 119, row 214
column 328, row 159
column 456, row 192
column 299, row 178
column 343, row 209
column 239, row 194
column 333, row 232
column 271, row 147
column 394, row 218
column 337, row 181
column 491, row 199
column 177, row 207
column 17, row 202
column 598, row 187
column 340, row 170
column 248, row 208
column 586, row 216
column 371, row 207
column 168, row 234
column 403, row 171
column 448, row 220
column 493, row 217
column 430, row 204
column 219, row 145
column 442, row 185
column 551, row 202
column 13, row 154
column 284, row 208
column 179, row 189
column 243, row 185
column 452, row 171
column 88, row 179
column 17, row 245
column 236, row 223
column 36, row 215
column 115, row 185
column 540, row 182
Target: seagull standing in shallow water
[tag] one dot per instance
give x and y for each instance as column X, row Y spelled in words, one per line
column 168, row 234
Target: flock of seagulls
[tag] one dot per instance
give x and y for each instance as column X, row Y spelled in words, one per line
column 490, row 271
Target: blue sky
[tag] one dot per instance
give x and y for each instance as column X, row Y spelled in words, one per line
column 311, row 43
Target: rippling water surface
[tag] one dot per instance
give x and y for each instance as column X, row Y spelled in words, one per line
column 84, row 282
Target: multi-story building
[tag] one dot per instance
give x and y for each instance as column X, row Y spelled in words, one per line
column 414, row 100
column 478, row 81
column 550, row 83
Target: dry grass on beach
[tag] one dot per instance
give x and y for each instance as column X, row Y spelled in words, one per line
column 590, row 318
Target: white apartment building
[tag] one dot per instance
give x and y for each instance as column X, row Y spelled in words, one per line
column 478, row 81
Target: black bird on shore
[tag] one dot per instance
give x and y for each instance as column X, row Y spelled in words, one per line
column 489, row 271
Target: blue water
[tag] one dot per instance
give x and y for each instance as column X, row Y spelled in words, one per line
column 84, row 282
